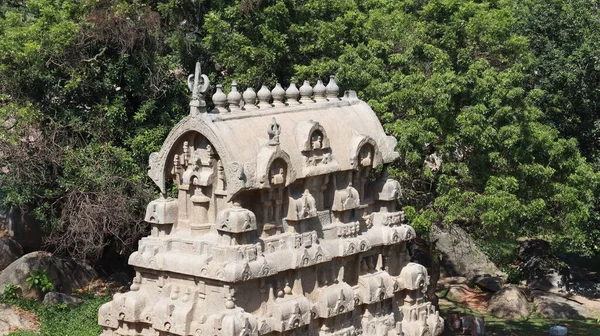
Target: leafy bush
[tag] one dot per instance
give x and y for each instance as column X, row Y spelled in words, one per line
column 501, row 253
column 11, row 292
column 39, row 279
column 514, row 274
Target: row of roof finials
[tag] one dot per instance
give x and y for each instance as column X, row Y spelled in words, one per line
column 292, row 96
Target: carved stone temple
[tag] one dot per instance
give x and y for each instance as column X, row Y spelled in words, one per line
column 278, row 227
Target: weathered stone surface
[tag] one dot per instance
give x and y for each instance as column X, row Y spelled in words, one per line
column 53, row 298
column 489, row 283
column 446, row 282
column 276, row 228
column 13, row 319
column 457, row 292
column 541, row 269
column 558, row 307
column 120, row 278
column 473, row 325
column 66, row 275
column 509, row 303
column 460, row 255
column 25, row 229
column 10, row 251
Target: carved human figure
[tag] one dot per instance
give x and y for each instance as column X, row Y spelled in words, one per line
column 278, row 178
column 221, row 176
column 274, row 131
column 316, row 142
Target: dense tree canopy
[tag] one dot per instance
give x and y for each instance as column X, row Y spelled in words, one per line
column 494, row 103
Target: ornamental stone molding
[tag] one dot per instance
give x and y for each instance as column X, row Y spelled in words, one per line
column 276, row 227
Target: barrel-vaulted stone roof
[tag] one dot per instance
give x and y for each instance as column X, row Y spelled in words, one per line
column 244, row 143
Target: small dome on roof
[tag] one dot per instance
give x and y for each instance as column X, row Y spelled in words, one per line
column 162, row 211
column 388, row 190
column 236, row 220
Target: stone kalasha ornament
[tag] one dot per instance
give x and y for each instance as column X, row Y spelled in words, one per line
column 278, row 95
column 332, row 89
column 319, row 91
column 250, row 99
column 292, row 95
column 220, row 100
column 276, row 228
column 306, row 93
column 264, row 96
column 234, row 98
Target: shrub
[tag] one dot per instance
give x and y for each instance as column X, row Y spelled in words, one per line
column 39, row 279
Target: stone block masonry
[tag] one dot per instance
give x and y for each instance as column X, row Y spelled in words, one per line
column 278, row 227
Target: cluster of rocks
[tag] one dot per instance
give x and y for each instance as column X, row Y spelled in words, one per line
column 15, row 267
column 547, row 288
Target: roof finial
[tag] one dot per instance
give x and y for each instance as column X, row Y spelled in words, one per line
column 306, row 92
column 264, row 96
column 292, row 94
column 250, row 99
column 319, row 91
column 234, row 98
column 332, row 89
column 220, row 100
column 278, row 94
column 197, row 104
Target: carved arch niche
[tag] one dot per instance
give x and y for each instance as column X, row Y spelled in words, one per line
column 364, row 157
column 313, row 143
column 195, row 168
column 274, row 198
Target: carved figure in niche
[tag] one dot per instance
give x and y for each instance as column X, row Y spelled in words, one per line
column 316, row 141
column 274, row 131
column 279, row 178
column 221, row 185
column 177, row 169
column 306, row 206
column 366, row 156
column 277, row 173
column 186, row 153
column 273, row 199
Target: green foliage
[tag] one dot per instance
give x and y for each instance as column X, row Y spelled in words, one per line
column 501, row 253
column 12, row 295
column 39, row 279
column 60, row 319
column 493, row 103
column 452, row 80
column 11, row 292
column 80, row 320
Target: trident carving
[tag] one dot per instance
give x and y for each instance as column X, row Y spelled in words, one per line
column 197, row 104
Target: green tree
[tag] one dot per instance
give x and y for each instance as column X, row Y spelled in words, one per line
column 493, row 103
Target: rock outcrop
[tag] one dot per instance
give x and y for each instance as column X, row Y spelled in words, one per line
column 460, row 255
column 556, row 306
column 10, row 251
column 14, row 319
column 66, row 275
column 54, row 298
column 509, row 303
